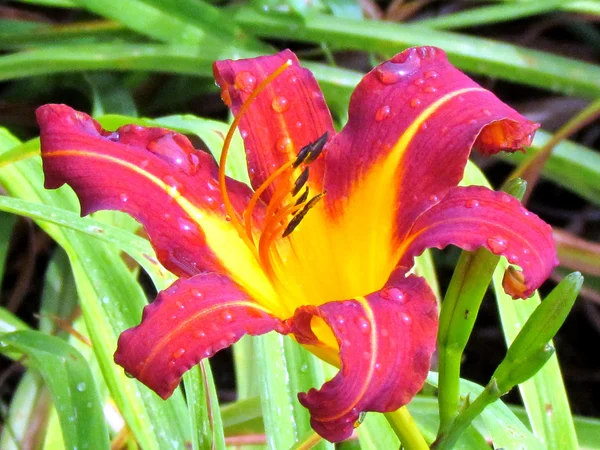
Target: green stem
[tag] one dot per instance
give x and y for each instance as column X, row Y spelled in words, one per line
column 406, row 429
column 447, row 440
column 461, row 304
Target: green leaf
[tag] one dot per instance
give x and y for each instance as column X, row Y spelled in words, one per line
column 29, row 406
column 476, row 55
column 71, row 384
column 7, row 223
column 111, row 300
column 498, row 422
column 109, row 95
column 285, row 368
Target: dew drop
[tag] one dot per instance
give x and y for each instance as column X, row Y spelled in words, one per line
column 363, row 324
column 208, row 352
column 382, row 113
column 394, row 294
column 513, row 259
column 81, row 387
column 431, row 74
column 377, row 366
column 472, row 203
column 486, row 112
column 284, row 144
column 200, row 334
column 505, row 198
column 124, row 197
column 346, row 343
column 418, row 81
column 179, row 305
column 293, row 79
column 526, row 251
column 245, row 81
column 405, row 318
column 178, row 353
column 392, row 72
column 244, row 134
column 173, row 186
column 430, row 90
column 497, row 244
column 227, row 316
column 144, row 163
column 340, row 320
column 433, row 198
column 186, row 224
column 280, row 104
column 197, row 293
column 415, row 102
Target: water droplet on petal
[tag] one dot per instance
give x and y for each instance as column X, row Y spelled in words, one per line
column 340, row 320
column 245, row 81
column 513, row 259
column 405, row 318
column 173, row 186
column 293, row 79
column 227, row 316
column 280, row 104
column 431, row 74
column 415, row 102
column 472, row 203
column 208, row 352
column 486, row 112
column 244, row 134
column 382, row 113
column 187, row 225
column 124, row 197
column 175, row 149
column 418, row 81
column 433, row 198
column 284, row 144
column 391, row 72
column 497, row 244
column 363, row 324
column 505, row 198
column 178, row 353
column 394, row 294
column 200, row 334
column 430, row 89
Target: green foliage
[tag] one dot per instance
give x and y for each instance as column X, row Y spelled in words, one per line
column 109, row 55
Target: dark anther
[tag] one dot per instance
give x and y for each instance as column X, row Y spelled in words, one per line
column 310, row 152
column 316, row 148
column 300, row 182
column 302, row 198
column 298, row 217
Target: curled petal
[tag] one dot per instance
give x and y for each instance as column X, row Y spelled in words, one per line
column 412, row 123
column 288, row 115
column 159, row 178
column 472, row 217
column 386, row 340
column 191, row 320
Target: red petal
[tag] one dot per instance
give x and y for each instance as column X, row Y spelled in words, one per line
column 412, row 123
column 473, row 217
column 386, row 341
column 289, row 114
column 191, row 320
column 156, row 176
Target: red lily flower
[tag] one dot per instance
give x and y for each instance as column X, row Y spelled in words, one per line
column 333, row 273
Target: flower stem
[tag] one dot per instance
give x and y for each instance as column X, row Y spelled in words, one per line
column 406, row 429
column 461, row 304
column 459, row 310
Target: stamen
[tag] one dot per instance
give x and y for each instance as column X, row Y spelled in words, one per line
column 300, row 182
column 310, row 152
column 303, row 197
column 298, row 217
column 254, row 200
column 235, row 220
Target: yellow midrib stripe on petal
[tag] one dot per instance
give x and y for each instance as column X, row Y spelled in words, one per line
column 242, row 267
column 363, row 242
column 372, row 362
column 158, row 348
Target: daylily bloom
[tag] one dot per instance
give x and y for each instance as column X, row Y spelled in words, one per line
column 322, row 244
